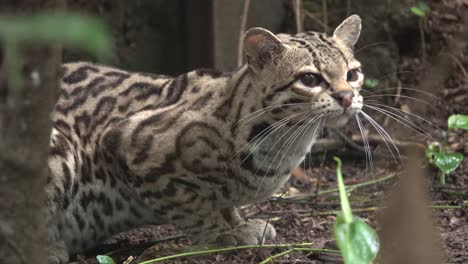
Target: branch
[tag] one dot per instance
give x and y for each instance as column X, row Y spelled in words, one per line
column 297, row 13
column 245, row 14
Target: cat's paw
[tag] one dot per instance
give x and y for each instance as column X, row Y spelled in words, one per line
column 252, row 232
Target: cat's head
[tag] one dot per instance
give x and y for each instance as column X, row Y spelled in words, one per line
column 308, row 74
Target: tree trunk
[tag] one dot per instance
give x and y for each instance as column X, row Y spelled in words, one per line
column 24, row 139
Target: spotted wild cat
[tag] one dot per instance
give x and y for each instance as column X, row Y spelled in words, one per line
column 129, row 149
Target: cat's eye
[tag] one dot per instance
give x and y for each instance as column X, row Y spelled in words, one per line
column 353, row 75
column 311, row 79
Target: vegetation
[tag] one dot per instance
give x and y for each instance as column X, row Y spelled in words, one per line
column 371, row 84
column 103, row 259
column 357, row 241
column 25, row 116
column 437, row 153
column 73, row 30
column 421, row 10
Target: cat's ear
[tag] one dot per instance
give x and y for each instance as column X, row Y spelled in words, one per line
column 348, row 31
column 261, row 47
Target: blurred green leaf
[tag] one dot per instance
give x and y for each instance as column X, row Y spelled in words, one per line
column 371, row 83
column 103, row 259
column 447, row 162
column 74, row 30
column 415, row 10
column 423, row 7
column 458, row 121
column 357, row 241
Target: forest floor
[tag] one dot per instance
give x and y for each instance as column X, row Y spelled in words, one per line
column 307, row 208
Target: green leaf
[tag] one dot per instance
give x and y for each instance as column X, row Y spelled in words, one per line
column 458, row 121
column 357, row 241
column 345, row 207
column 371, row 83
column 75, row 30
column 423, row 7
column 447, row 162
column 415, row 10
column 103, row 259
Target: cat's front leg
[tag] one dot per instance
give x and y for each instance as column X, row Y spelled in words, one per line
column 225, row 227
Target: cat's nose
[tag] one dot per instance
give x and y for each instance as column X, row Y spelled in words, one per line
column 344, row 98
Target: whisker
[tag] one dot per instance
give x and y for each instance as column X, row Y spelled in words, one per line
column 409, row 89
column 265, row 132
column 308, row 154
column 367, row 152
column 363, row 92
column 290, row 142
column 383, row 133
column 408, row 113
column 270, row 130
column 257, row 137
column 284, row 144
column 316, row 118
column 272, row 147
column 371, row 45
column 263, row 110
column 407, row 123
column 324, row 118
column 299, row 132
column 394, row 95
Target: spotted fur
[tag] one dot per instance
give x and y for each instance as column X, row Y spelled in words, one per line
column 129, row 149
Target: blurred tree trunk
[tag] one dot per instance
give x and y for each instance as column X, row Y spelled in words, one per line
column 24, row 139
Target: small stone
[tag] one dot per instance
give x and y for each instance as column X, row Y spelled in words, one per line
column 454, row 220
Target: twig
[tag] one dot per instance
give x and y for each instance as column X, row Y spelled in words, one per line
column 278, row 255
column 325, row 15
column 351, row 188
column 325, row 258
column 398, row 92
column 311, row 16
column 423, row 41
column 328, row 144
column 446, row 206
column 147, row 244
column 455, row 193
column 271, row 258
column 227, row 249
column 297, row 13
column 245, row 14
column 348, row 141
column 374, row 139
column 358, row 210
column 453, row 91
column 311, row 212
column 333, row 190
column 268, row 221
column 460, row 65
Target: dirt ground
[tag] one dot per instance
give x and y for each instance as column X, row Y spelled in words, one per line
column 309, row 216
